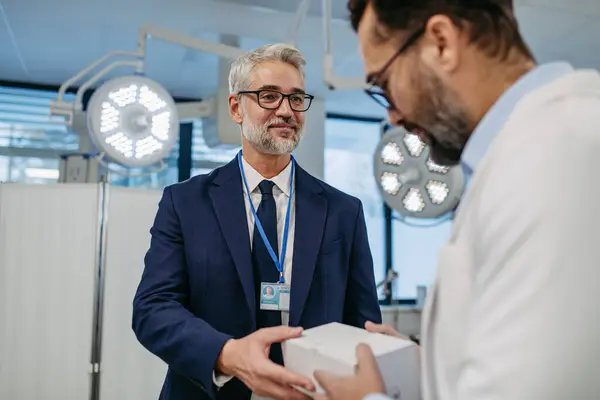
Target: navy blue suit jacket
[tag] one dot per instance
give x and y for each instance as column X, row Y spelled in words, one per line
column 197, row 289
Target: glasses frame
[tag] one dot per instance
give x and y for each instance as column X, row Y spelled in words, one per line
column 283, row 96
column 375, row 76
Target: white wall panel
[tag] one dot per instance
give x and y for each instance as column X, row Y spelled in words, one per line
column 47, row 262
column 129, row 371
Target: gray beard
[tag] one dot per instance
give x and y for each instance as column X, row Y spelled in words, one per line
column 259, row 136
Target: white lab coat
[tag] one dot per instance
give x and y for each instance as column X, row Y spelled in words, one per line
column 514, row 313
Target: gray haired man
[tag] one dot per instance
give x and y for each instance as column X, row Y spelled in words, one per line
column 243, row 258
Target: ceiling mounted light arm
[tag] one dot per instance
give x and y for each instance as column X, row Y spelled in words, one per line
column 196, row 43
column 82, row 89
column 298, row 19
column 66, row 109
column 331, row 79
column 70, row 82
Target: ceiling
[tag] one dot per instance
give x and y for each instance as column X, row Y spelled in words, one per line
column 47, row 42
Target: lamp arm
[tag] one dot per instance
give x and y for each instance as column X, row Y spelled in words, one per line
column 330, row 78
column 391, row 276
column 327, row 17
column 95, row 78
column 70, row 82
column 300, row 15
column 219, row 49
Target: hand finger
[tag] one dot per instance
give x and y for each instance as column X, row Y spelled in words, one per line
column 276, row 391
column 306, row 392
column 272, row 390
column 293, row 394
column 278, row 374
column 297, row 395
column 278, row 334
column 384, row 329
column 326, row 380
column 366, row 360
column 320, row 397
column 378, row 328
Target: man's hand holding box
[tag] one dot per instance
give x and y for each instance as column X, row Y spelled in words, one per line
column 337, row 349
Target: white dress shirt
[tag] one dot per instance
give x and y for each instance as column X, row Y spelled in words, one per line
column 281, row 194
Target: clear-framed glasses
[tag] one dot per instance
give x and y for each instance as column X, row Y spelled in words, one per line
column 272, row 99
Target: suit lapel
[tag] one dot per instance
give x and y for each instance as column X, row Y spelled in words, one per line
column 228, row 202
column 311, row 213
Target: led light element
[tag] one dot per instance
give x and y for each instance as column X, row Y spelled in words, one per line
column 433, row 167
column 413, row 144
column 437, row 191
column 390, row 182
column 391, row 154
column 413, row 201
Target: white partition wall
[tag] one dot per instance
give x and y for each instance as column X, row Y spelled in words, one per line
column 128, row 371
column 47, row 260
column 67, row 250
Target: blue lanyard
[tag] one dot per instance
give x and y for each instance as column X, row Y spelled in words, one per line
column 278, row 263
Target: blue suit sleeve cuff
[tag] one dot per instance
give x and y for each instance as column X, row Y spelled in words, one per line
column 377, row 396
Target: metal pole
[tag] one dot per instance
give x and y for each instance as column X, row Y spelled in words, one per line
column 389, row 251
column 96, row 351
column 389, row 242
column 184, row 160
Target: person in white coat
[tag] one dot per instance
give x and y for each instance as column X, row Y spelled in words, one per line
column 514, row 313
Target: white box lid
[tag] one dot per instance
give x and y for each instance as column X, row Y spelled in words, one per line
column 333, row 341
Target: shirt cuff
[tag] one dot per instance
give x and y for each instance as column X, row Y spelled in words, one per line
column 377, row 396
column 220, row 380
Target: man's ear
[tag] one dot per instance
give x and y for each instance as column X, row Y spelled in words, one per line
column 235, row 108
column 442, row 47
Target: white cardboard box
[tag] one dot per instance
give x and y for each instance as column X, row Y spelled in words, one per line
column 332, row 347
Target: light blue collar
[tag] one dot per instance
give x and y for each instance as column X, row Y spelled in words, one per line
column 496, row 117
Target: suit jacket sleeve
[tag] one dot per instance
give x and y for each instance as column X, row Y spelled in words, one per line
column 362, row 303
column 161, row 321
column 533, row 322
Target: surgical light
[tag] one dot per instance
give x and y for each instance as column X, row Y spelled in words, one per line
column 410, row 182
column 133, row 120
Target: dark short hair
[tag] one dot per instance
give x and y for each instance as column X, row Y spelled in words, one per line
column 492, row 23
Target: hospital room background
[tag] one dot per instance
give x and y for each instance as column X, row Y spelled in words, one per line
column 74, row 223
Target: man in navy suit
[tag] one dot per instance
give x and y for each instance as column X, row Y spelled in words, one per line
column 247, row 256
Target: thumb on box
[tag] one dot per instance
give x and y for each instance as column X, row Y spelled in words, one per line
column 278, row 334
column 326, row 380
column 366, row 363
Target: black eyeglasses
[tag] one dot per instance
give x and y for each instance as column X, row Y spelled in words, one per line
column 378, row 94
column 272, row 99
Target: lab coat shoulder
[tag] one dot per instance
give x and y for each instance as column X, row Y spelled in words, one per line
column 533, row 227
column 544, row 153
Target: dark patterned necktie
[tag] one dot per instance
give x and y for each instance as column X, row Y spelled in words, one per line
column 264, row 267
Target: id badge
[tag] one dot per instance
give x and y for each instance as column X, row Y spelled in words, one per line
column 274, row 296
